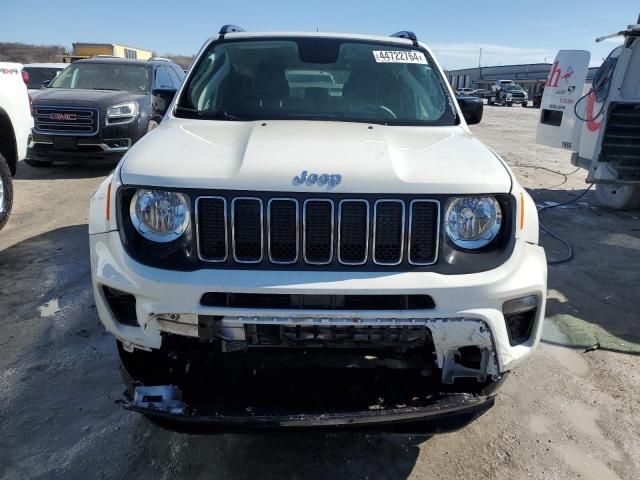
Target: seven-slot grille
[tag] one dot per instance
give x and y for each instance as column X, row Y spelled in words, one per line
column 66, row 120
column 317, row 231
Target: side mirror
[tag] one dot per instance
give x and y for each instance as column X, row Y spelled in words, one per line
column 472, row 109
column 46, row 83
column 161, row 98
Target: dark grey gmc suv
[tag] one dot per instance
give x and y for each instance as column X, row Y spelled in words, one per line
column 97, row 108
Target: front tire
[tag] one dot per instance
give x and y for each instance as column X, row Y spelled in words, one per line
column 6, row 192
column 524, row 104
column 618, row 197
column 509, row 104
column 38, row 163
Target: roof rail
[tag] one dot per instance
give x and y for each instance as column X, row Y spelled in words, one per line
column 229, row 29
column 408, row 35
column 160, row 59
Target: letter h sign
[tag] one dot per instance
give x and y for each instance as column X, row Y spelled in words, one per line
column 554, row 75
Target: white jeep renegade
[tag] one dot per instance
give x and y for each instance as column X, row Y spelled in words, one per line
column 313, row 237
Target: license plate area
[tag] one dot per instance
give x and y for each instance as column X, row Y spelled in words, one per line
column 65, row 143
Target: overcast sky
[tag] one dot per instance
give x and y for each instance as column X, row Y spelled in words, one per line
column 508, row 32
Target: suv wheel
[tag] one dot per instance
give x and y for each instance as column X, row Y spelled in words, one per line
column 618, row 197
column 6, row 192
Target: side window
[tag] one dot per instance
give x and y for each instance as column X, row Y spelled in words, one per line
column 174, row 77
column 163, row 80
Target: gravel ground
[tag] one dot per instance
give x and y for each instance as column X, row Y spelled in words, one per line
column 565, row 414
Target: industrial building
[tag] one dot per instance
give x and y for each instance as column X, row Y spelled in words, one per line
column 529, row 76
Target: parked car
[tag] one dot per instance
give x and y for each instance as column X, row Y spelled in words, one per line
column 464, row 91
column 15, row 125
column 96, row 109
column 537, row 98
column 39, row 75
column 480, row 93
column 265, row 264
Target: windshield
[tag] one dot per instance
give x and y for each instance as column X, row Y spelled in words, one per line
column 39, row 75
column 104, row 76
column 316, row 79
column 513, row 87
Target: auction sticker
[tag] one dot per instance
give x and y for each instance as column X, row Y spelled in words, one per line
column 399, row 56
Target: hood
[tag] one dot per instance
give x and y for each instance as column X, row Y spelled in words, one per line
column 75, row 97
column 269, row 155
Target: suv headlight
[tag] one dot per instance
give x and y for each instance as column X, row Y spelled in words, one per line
column 473, row 222
column 122, row 113
column 158, row 215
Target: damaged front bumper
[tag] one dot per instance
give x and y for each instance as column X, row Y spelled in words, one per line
column 443, row 412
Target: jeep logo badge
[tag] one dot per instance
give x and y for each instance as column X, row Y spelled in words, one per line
column 330, row 180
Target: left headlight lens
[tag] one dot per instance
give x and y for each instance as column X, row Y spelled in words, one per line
column 160, row 216
column 123, row 112
column 473, row 222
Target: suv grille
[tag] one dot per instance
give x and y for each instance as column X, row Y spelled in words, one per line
column 66, row 120
column 621, row 143
column 317, row 231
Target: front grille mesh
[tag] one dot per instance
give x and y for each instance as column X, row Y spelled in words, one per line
column 354, row 232
column 212, row 228
column 422, row 246
column 247, row 230
column 389, row 232
column 283, row 234
column 317, row 231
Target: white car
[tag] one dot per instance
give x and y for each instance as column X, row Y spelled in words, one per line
column 263, row 262
column 464, row 91
column 15, row 126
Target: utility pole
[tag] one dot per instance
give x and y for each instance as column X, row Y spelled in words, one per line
column 480, row 65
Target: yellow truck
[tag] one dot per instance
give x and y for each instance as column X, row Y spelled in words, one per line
column 88, row 50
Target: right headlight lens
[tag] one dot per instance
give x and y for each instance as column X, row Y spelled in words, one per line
column 473, row 222
column 159, row 215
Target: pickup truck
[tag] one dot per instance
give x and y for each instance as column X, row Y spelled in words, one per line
column 279, row 262
column 15, row 126
column 506, row 92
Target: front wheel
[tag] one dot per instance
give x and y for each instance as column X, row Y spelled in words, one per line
column 509, row 104
column 6, row 192
column 618, row 197
column 524, row 104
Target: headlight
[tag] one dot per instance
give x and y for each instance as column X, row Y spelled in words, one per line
column 473, row 222
column 122, row 113
column 158, row 215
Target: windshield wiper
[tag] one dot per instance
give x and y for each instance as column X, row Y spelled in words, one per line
column 207, row 114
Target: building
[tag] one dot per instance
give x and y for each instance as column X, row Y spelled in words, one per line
column 88, row 50
column 529, row 76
